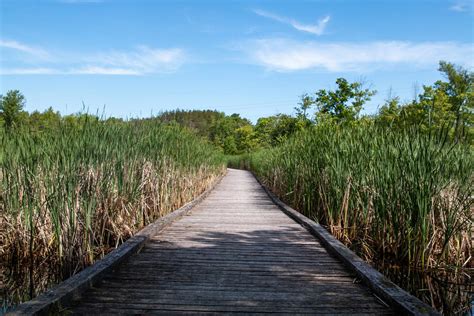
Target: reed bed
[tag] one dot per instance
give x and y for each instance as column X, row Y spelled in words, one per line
column 69, row 197
column 397, row 198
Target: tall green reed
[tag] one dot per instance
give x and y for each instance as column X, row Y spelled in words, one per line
column 68, row 197
column 402, row 198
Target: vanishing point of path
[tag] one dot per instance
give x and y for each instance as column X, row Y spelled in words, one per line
column 235, row 252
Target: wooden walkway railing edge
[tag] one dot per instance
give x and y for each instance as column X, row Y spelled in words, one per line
column 397, row 298
column 56, row 298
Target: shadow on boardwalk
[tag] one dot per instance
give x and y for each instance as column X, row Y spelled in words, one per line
column 252, row 271
column 235, row 252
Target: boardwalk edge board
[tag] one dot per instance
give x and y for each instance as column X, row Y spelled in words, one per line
column 55, row 299
column 397, row 298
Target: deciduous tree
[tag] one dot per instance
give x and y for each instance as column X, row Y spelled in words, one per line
column 343, row 104
column 11, row 108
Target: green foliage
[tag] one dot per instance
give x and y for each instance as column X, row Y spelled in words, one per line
column 443, row 105
column 239, row 161
column 459, row 91
column 198, row 121
column 233, row 134
column 245, row 139
column 71, row 194
column 403, row 197
column 303, row 108
column 389, row 113
column 11, row 109
column 273, row 130
column 46, row 121
column 343, row 104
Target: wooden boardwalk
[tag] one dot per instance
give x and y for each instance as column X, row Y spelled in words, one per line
column 235, row 252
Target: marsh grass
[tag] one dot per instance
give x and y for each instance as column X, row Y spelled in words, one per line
column 69, row 197
column 238, row 161
column 397, row 198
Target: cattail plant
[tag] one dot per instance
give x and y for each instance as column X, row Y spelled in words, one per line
column 69, row 197
column 398, row 198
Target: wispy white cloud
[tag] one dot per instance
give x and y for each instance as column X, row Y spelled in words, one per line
column 98, row 70
column 141, row 60
column 317, row 28
column 35, row 51
column 28, row 71
column 87, row 70
column 288, row 55
column 462, row 6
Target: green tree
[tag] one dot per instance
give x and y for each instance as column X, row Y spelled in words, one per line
column 272, row 130
column 11, row 109
column 460, row 93
column 436, row 108
column 226, row 133
column 446, row 105
column 48, row 120
column 198, row 121
column 245, row 138
column 389, row 113
column 303, row 107
column 343, row 104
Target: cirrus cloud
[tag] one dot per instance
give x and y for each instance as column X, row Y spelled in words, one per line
column 28, row 71
column 20, row 47
column 317, row 29
column 462, row 6
column 291, row 55
column 141, row 60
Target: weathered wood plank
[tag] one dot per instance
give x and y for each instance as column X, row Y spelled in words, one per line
column 132, row 273
column 185, row 294
column 234, row 281
column 236, row 307
column 235, row 252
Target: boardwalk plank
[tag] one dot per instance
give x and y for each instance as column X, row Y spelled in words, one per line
column 236, row 307
column 236, row 252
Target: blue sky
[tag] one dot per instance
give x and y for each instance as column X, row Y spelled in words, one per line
column 250, row 57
